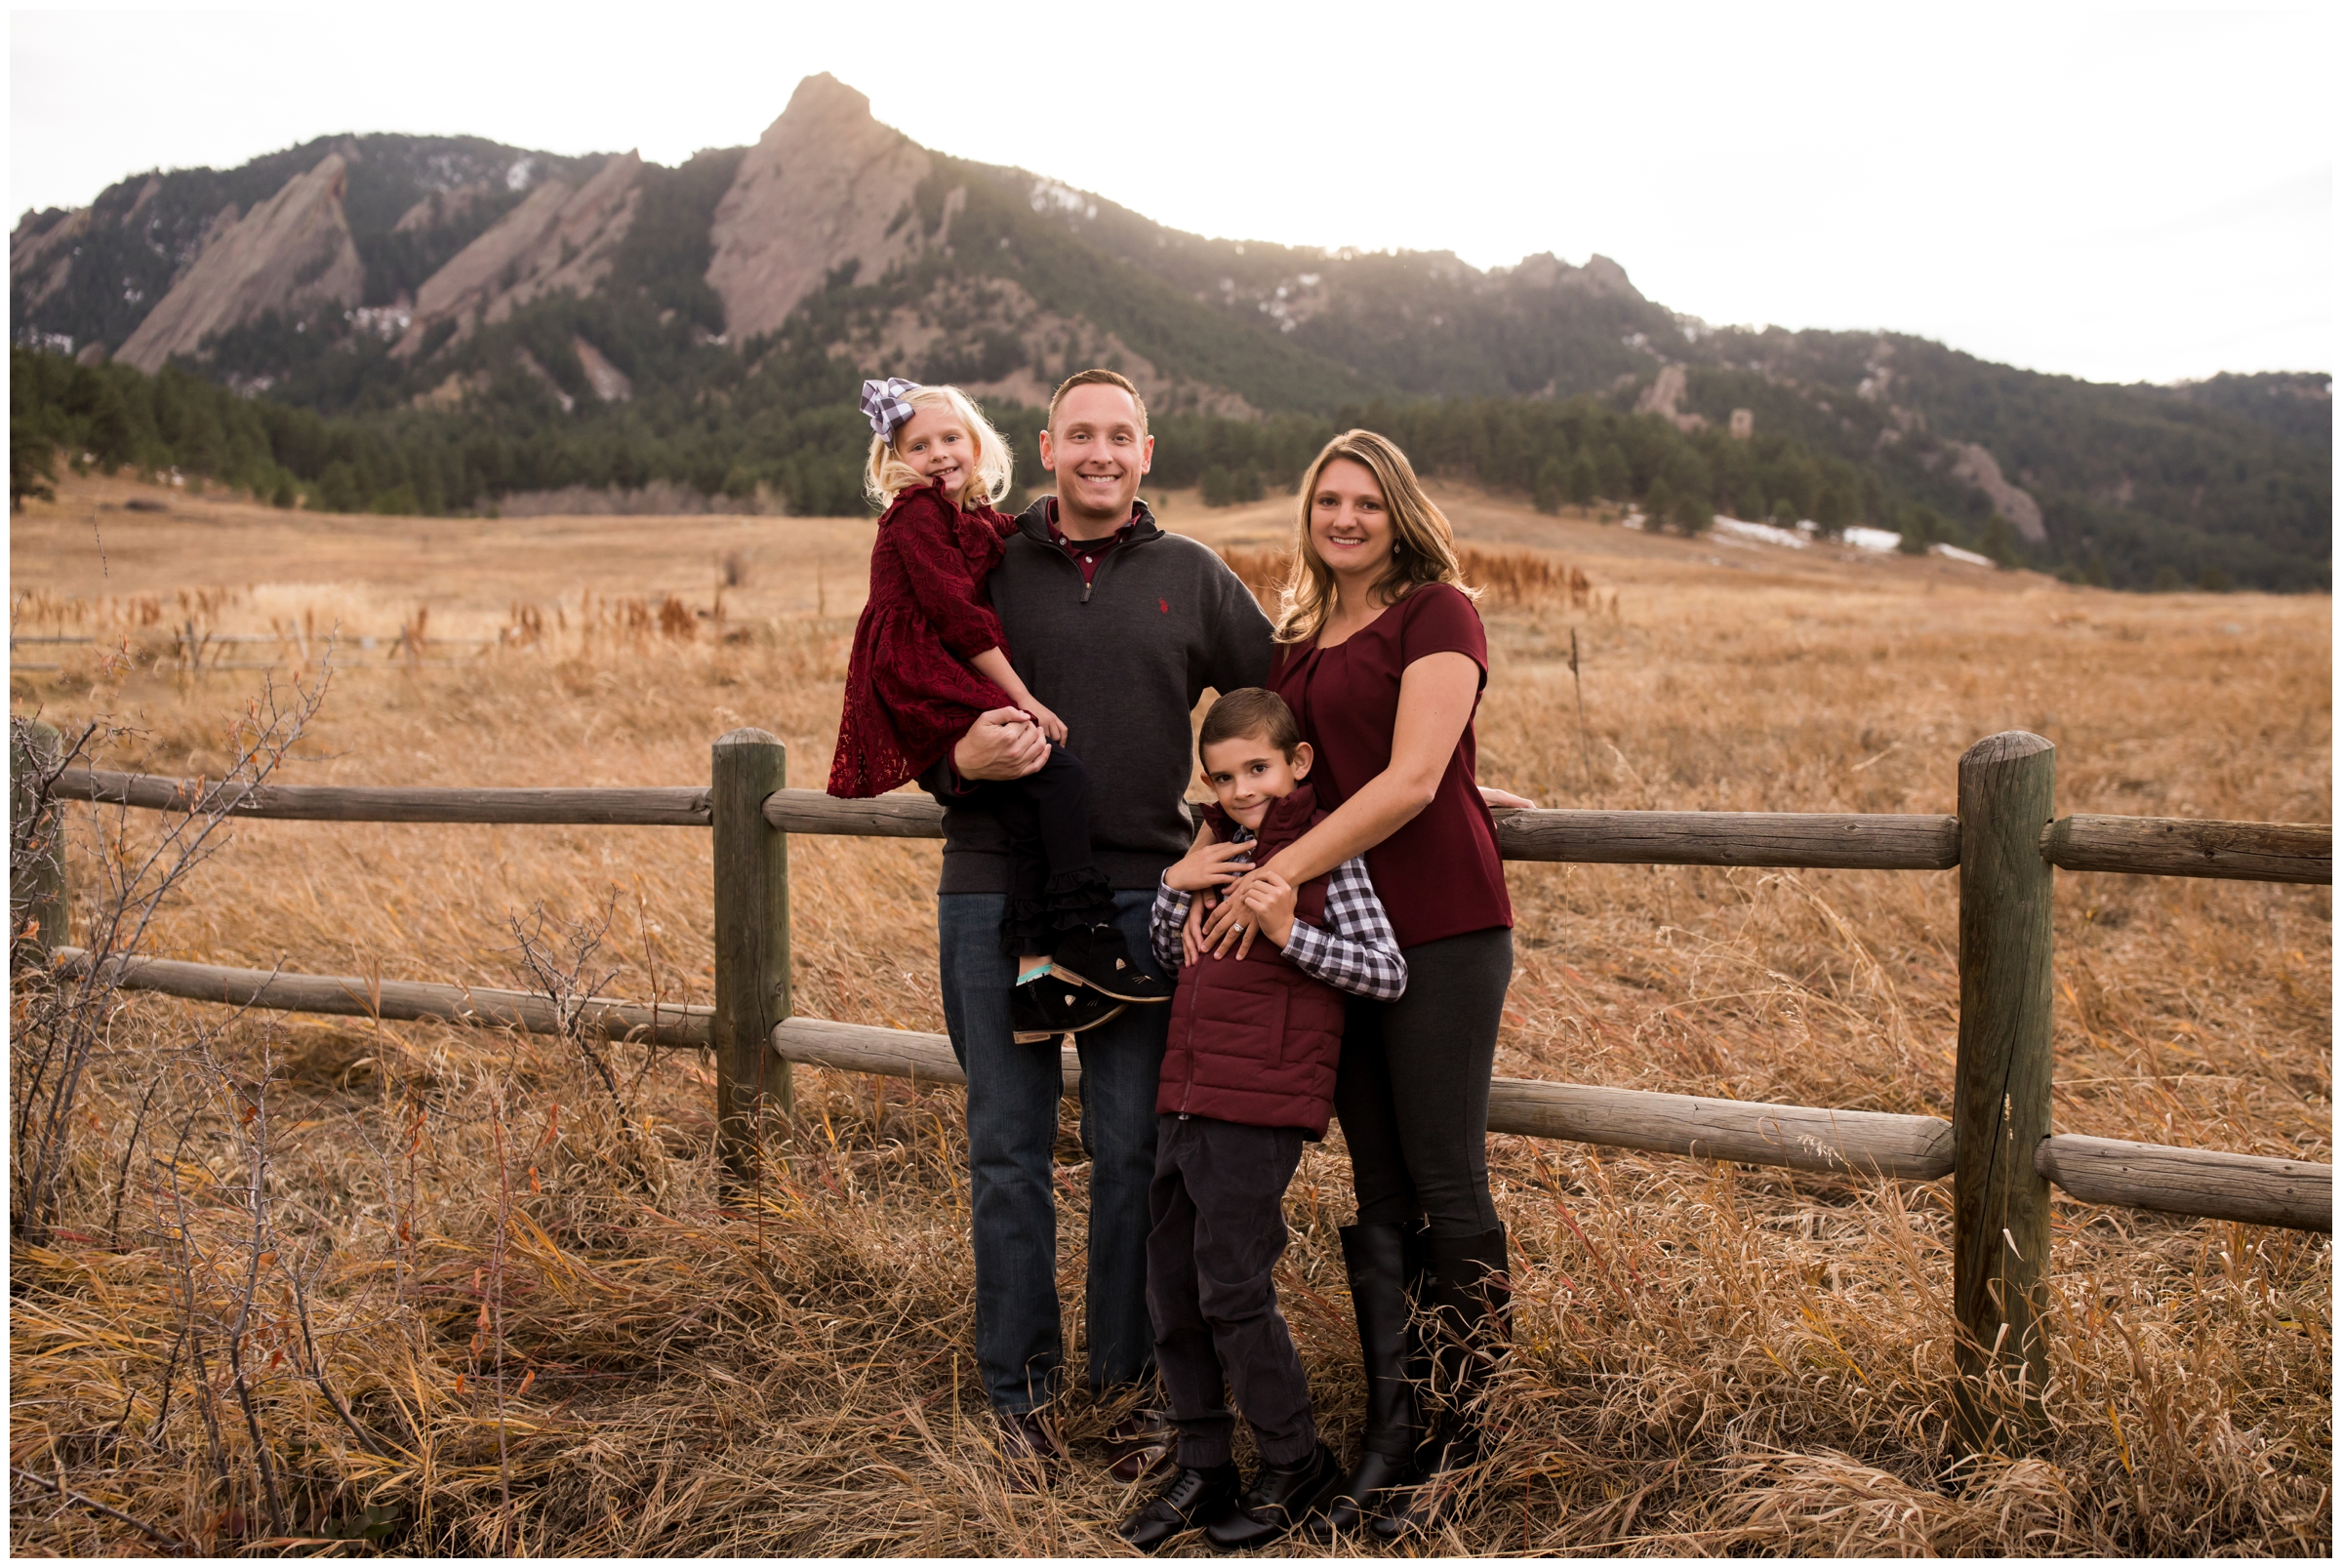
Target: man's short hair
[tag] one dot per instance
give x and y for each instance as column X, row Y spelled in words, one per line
column 1096, row 378
column 1251, row 711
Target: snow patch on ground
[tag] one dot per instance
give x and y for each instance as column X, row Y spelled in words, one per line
column 1758, row 533
column 1879, row 541
column 1953, row 552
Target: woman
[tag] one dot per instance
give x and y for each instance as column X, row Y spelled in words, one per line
column 1382, row 657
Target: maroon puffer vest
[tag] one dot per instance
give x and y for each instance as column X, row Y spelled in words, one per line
column 1256, row 1042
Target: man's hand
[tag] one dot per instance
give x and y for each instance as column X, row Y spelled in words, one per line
column 1270, row 903
column 1002, row 744
column 1208, row 867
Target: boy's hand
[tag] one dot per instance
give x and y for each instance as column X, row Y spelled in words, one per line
column 1207, row 868
column 1269, row 901
column 1190, row 931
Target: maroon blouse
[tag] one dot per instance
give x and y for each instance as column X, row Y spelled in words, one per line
column 1440, row 874
column 910, row 693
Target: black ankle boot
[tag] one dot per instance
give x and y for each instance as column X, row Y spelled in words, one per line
column 1098, row 955
column 1190, row 1500
column 1278, row 1499
column 1377, row 1258
column 1471, row 1296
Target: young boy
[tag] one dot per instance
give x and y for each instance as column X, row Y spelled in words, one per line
column 1247, row 1077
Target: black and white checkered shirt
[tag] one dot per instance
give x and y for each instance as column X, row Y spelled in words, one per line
column 1355, row 952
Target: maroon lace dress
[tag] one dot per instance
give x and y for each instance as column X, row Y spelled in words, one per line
column 910, row 693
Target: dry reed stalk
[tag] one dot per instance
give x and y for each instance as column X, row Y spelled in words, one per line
column 1708, row 1359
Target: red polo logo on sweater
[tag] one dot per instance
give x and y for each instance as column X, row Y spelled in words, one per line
column 1164, row 605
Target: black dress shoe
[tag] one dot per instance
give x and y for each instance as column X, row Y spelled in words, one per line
column 1194, row 1498
column 1279, row 1501
column 1138, row 1445
column 1099, row 956
column 1030, row 1453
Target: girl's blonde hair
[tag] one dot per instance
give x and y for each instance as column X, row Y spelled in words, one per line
column 1423, row 540
column 887, row 475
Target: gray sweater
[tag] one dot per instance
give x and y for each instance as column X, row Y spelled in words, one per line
column 1122, row 661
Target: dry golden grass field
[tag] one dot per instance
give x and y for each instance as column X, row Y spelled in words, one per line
column 559, row 1336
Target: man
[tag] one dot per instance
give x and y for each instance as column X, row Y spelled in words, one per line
column 1119, row 628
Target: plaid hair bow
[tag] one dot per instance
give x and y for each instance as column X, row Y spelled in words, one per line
column 888, row 404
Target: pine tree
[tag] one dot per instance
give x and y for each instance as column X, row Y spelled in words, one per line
column 1552, row 485
column 1582, row 482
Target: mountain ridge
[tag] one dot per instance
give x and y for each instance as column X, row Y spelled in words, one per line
column 479, row 280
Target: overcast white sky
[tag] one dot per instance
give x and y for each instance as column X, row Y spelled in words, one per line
column 2114, row 194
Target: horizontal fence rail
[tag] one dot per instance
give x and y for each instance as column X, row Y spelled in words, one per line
column 407, row 1001
column 2165, row 846
column 2189, row 846
column 652, row 805
column 2172, row 846
column 2252, row 1188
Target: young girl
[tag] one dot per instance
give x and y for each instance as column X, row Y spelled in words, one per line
column 930, row 657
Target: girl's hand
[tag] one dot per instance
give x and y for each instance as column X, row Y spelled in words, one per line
column 1506, row 799
column 1207, row 868
column 1051, row 725
column 1269, row 901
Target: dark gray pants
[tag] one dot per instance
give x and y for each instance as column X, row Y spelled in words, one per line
column 1218, row 1205
column 1413, row 1090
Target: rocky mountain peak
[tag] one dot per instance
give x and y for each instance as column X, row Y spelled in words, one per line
column 825, row 185
column 290, row 252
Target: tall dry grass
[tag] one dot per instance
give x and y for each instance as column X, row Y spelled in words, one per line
column 562, row 1339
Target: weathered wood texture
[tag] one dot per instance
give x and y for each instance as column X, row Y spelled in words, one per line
column 2254, row 1189
column 1816, row 839
column 614, row 807
column 1868, row 1142
column 2001, row 1090
column 36, row 894
column 355, row 996
column 2184, row 846
column 746, row 766
column 812, row 811
column 1796, row 1136
column 1612, row 837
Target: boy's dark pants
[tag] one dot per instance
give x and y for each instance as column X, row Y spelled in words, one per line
column 1218, row 1207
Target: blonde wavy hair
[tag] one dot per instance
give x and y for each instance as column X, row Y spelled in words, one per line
column 887, row 475
column 1424, row 541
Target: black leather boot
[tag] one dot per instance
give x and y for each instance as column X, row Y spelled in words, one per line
column 1377, row 1257
column 1192, row 1499
column 1278, row 1499
column 1472, row 1295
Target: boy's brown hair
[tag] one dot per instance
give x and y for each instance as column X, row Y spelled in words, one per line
column 1096, row 378
column 1251, row 710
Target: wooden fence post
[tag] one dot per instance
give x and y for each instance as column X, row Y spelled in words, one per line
column 2001, row 1094
column 751, row 943
column 37, row 900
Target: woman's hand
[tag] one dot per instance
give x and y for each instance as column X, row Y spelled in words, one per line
column 1269, row 901
column 1207, row 868
column 1506, row 799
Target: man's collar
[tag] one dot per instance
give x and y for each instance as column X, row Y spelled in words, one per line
column 1039, row 520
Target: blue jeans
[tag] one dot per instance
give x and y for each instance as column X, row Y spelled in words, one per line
column 1013, row 1093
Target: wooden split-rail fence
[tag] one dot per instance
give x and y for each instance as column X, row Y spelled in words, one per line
column 2006, row 843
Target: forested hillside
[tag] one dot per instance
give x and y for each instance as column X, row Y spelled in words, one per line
column 425, row 324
